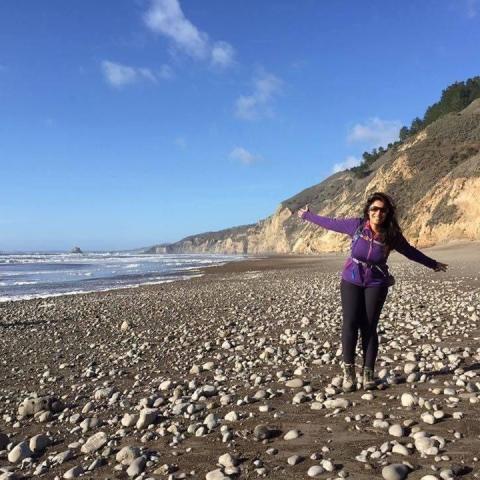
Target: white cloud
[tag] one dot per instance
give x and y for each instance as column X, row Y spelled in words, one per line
column 244, row 156
column 119, row 75
column 258, row 103
column 349, row 162
column 166, row 18
column 375, row 132
column 222, row 54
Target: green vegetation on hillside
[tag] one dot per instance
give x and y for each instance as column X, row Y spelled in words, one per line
column 454, row 98
column 369, row 158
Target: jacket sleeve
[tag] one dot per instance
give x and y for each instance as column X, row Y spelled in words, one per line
column 402, row 246
column 340, row 225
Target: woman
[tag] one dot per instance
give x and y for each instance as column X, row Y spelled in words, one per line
column 365, row 278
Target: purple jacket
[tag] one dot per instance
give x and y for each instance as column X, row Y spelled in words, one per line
column 367, row 264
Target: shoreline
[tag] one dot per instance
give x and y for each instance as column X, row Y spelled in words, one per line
column 330, row 260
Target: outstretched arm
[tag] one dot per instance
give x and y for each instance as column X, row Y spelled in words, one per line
column 402, row 246
column 340, row 225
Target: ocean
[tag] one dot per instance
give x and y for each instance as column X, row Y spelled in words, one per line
column 37, row 275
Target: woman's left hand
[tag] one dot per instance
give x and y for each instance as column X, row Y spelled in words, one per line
column 441, row 267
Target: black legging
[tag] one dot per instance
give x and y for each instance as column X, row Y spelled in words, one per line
column 361, row 310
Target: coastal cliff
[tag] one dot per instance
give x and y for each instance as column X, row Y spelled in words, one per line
column 434, row 176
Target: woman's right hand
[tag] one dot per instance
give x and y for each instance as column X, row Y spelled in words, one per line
column 302, row 210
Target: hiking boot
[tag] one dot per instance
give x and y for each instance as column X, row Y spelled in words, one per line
column 368, row 379
column 349, row 383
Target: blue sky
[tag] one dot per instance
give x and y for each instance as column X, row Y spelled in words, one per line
column 129, row 123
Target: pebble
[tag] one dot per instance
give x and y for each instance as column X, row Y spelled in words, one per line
column 89, row 424
column 94, row 443
column 291, row 435
column 294, row 459
column 19, row 453
column 315, row 471
column 136, row 467
column 147, row 417
column 228, row 460
column 428, row 418
column 32, row 405
column 262, row 432
column 408, row 400
column 396, row 430
column 337, row 403
column 400, row 449
column 395, row 471
column 231, row 416
column 127, row 455
column 328, row 465
column 426, row 445
column 39, row 443
column 129, row 420
column 294, row 383
column 216, row 475
column 74, row 472
column 63, row 457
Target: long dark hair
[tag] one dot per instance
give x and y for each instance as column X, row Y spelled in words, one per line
column 390, row 229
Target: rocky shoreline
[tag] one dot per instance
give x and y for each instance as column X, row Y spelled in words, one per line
column 236, row 375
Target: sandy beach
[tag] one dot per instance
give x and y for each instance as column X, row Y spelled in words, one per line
column 235, row 361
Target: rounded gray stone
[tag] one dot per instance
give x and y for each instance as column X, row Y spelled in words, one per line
column 395, row 471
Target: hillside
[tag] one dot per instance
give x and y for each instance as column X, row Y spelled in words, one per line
column 434, row 177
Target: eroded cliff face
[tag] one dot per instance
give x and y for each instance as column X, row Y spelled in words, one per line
column 434, row 178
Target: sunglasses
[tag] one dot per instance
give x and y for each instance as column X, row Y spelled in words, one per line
column 378, row 209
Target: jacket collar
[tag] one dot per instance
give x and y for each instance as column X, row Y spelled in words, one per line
column 374, row 235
